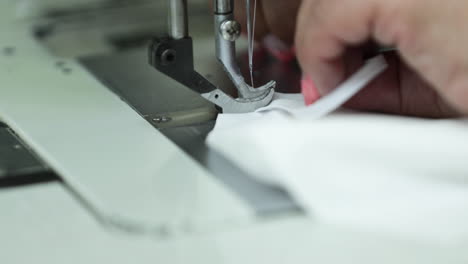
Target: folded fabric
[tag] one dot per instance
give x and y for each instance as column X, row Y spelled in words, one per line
column 403, row 176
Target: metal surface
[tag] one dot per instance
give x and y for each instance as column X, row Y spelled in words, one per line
column 134, row 178
column 164, row 103
column 18, row 165
column 223, row 6
column 226, row 54
column 230, row 30
column 178, row 19
column 182, row 114
column 240, row 105
column 174, row 58
column 184, row 117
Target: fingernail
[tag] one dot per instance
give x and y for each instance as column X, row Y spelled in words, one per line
column 309, row 90
column 278, row 49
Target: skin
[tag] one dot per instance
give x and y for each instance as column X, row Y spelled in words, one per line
column 428, row 76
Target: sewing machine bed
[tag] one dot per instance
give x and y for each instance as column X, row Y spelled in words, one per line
column 181, row 115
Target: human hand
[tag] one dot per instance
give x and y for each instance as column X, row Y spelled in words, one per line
column 428, row 77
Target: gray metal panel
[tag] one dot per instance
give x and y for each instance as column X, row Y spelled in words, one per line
column 18, row 165
column 112, row 158
column 151, row 93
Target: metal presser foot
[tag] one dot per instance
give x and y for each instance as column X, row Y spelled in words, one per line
column 173, row 56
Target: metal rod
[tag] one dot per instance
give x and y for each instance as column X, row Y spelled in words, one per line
column 178, row 19
column 223, row 6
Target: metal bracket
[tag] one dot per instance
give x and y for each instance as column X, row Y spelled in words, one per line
column 174, row 58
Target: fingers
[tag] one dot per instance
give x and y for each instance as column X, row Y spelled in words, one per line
column 426, row 33
column 324, row 31
column 403, row 92
column 434, row 46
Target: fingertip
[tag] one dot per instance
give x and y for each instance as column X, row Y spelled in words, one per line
column 322, row 59
column 327, row 75
column 309, row 90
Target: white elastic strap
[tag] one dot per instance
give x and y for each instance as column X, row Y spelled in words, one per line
column 331, row 102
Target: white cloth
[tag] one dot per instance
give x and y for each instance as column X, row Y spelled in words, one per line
column 404, row 176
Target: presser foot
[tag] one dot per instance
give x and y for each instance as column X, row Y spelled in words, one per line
column 239, row 105
column 248, row 92
column 174, row 58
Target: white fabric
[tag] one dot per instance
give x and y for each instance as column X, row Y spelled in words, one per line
column 404, row 176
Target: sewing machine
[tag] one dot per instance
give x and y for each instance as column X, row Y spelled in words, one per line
column 185, row 110
column 173, row 56
column 102, row 156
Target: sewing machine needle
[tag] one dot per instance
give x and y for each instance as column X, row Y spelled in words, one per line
column 251, row 34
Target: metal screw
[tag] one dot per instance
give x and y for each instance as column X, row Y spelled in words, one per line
column 168, row 57
column 17, row 146
column 230, row 30
column 161, row 119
